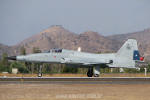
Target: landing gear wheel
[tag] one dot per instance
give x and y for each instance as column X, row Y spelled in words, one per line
column 39, row 74
column 96, row 75
column 90, row 72
column 96, row 71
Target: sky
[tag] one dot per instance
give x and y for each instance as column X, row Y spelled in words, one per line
column 20, row 19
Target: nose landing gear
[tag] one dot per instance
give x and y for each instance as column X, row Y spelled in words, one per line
column 40, row 71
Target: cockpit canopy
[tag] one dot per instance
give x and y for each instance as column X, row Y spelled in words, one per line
column 53, row 51
column 56, row 50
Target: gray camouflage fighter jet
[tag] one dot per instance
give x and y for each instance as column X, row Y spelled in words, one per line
column 127, row 57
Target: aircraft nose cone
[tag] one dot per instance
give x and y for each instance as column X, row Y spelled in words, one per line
column 11, row 58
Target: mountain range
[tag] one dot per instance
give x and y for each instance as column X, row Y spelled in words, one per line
column 59, row 37
column 143, row 38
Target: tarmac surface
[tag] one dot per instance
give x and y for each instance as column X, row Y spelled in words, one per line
column 76, row 80
column 74, row 88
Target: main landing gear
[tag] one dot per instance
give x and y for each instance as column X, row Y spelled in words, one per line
column 90, row 72
column 93, row 72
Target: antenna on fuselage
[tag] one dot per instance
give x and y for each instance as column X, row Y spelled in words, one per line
column 79, row 49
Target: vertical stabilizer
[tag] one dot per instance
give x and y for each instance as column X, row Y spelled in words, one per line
column 129, row 50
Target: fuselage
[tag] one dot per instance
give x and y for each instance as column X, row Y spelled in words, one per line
column 68, row 57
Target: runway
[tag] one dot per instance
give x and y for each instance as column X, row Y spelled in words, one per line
column 77, row 80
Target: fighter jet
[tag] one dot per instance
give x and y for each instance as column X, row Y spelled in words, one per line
column 127, row 57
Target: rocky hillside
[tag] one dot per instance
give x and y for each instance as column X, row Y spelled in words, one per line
column 143, row 38
column 58, row 37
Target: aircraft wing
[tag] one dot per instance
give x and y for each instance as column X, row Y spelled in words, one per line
column 86, row 61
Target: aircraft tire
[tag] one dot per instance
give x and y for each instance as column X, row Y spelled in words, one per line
column 90, row 72
column 39, row 74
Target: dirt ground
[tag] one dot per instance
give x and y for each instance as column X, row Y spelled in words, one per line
column 39, row 91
